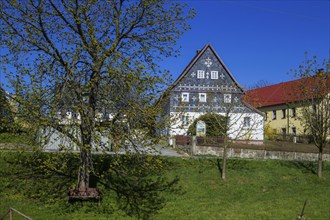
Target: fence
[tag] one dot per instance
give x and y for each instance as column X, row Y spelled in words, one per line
column 183, row 140
column 11, row 212
column 291, row 138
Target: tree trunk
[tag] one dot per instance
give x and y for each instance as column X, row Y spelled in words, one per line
column 224, row 162
column 320, row 164
column 84, row 168
column 85, row 156
column 83, row 190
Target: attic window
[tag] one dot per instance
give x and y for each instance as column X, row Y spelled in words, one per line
column 200, row 74
column 214, row 75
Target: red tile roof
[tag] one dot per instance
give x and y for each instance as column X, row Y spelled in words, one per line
column 288, row 92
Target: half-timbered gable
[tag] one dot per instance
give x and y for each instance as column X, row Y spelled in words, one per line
column 205, row 85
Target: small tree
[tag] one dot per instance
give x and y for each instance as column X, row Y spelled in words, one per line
column 313, row 92
column 236, row 121
column 238, row 126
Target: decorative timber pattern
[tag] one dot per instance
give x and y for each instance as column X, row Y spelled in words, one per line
column 206, row 85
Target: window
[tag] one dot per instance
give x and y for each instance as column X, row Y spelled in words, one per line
column 69, row 115
column 246, row 122
column 314, row 109
column 214, row 74
column 202, row 97
column 227, row 98
column 200, row 74
column 283, row 114
column 185, row 119
column 266, row 116
column 293, row 112
column 58, row 115
column 294, row 130
column 274, row 114
column 185, row 97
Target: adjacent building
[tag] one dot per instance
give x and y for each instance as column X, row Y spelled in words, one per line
column 282, row 103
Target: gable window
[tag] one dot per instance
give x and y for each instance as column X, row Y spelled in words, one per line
column 227, row 98
column 293, row 112
column 185, row 97
column 283, row 114
column 246, row 122
column 200, row 74
column 202, row 97
column 214, row 75
column 274, row 114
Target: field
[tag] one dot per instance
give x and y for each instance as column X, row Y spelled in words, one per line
column 255, row 189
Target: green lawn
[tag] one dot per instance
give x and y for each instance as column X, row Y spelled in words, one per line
column 255, row 189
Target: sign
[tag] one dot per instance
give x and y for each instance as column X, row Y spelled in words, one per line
column 200, row 128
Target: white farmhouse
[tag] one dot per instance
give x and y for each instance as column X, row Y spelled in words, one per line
column 206, row 85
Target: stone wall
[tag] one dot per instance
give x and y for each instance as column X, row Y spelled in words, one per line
column 257, row 154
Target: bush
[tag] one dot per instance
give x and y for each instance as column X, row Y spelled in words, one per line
column 215, row 125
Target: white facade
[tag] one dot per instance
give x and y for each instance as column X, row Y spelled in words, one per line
column 237, row 128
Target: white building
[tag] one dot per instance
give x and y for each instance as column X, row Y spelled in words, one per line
column 206, row 85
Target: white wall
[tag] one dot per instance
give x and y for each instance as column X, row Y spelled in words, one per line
column 237, row 131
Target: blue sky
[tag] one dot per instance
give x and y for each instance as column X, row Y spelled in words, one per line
column 257, row 40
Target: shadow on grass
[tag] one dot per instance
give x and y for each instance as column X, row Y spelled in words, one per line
column 304, row 166
column 137, row 184
column 219, row 166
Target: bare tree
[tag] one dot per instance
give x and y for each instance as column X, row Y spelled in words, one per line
column 313, row 92
column 91, row 59
column 238, row 122
column 259, row 84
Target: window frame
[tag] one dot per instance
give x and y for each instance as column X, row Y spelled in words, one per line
column 185, row 120
column 214, row 74
column 274, row 115
column 227, row 98
column 247, row 122
column 293, row 112
column 283, row 113
column 200, row 74
column 182, row 97
column 200, row 97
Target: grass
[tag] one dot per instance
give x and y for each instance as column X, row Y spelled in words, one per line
column 255, row 189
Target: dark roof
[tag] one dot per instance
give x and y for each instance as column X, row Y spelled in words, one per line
column 194, row 60
column 289, row 92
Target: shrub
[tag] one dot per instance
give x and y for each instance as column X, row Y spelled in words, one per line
column 214, row 125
